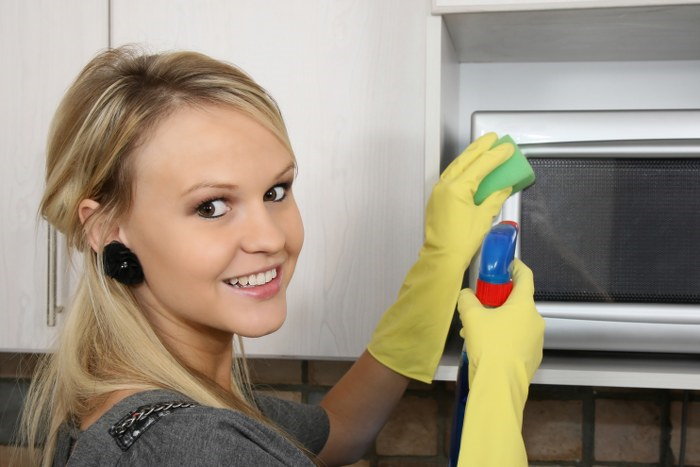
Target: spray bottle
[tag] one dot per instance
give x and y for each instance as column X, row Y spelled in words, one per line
column 492, row 289
column 497, row 253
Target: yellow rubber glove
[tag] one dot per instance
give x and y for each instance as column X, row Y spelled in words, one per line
column 504, row 348
column 411, row 334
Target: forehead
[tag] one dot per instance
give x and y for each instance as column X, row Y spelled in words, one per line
column 196, row 144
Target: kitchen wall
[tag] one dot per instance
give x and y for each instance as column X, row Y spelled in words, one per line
column 563, row 425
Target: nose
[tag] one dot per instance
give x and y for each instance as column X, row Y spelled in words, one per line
column 261, row 233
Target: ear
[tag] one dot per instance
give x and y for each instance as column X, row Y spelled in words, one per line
column 96, row 231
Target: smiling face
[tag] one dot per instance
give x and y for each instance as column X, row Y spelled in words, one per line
column 214, row 224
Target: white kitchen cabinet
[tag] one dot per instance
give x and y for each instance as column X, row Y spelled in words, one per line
column 43, row 46
column 503, row 55
column 349, row 77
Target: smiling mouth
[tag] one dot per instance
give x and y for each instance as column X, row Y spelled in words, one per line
column 252, row 280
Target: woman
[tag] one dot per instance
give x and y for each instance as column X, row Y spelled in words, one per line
column 173, row 175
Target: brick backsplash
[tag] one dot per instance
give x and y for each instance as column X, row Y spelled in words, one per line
column 553, row 429
column 412, row 429
column 14, row 365
column 627, row 430
column 277, row 371
column 326, row 373
column 692, row 444
column 562, row 425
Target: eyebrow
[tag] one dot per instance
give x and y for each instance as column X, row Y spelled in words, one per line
column 229, row 186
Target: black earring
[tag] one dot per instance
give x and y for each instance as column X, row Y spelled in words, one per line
column 121, row 263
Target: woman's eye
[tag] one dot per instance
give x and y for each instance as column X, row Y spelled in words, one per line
column 212, row 209
column 276, row 193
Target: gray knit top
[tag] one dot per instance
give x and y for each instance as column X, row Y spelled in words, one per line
column 193, row 435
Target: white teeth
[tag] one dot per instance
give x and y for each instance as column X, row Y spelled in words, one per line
column 254, row 279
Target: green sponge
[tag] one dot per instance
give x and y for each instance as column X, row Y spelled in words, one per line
column 515, row 172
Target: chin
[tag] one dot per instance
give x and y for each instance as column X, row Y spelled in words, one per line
column 263, row 328
column 254, row 334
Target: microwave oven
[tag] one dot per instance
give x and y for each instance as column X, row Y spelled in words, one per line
column 611, row 226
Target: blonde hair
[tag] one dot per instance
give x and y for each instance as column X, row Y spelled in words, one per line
column 106, row 343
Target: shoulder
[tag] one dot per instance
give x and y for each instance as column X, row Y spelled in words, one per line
column 210, row 436
column 166, row 428
column 111, row 400
column 185, row 433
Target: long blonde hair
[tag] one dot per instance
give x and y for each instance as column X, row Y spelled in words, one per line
column 106, row 343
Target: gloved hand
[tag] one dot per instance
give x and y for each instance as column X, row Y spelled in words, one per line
column 411, row 334
column 504, row 348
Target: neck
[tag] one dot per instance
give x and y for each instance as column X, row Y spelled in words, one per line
column 207, row 350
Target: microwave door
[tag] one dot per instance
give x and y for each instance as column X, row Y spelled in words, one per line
column 610, row 229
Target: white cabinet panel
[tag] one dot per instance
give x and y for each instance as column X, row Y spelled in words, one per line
column 43, row 46
column 349, row 78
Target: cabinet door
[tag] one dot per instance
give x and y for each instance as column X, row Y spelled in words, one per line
column 349, row 77
column 43, row 46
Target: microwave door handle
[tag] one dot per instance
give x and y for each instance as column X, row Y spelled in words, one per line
column 622, row 312
column 665, row 148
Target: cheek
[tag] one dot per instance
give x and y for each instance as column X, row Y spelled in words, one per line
column 294, row 229
column 181, row 250
column 202, row 254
